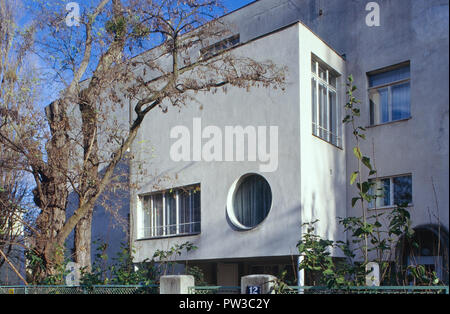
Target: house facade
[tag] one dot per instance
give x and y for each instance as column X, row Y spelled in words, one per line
column 237, row 173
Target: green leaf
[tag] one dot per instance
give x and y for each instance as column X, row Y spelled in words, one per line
column 328, row 272
column 365, row 187
column 366, row 162
column 354, row 200
column 357, row 152
column 353, row 177
column 346, row 119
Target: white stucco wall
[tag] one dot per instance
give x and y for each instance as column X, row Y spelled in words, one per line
column 315, row 184
column 290, row 110
column 415, row 31
column 323, row 168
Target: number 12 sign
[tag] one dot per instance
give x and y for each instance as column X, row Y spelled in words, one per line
column 253, row 290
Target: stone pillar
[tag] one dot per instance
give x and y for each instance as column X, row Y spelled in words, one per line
column 262, row 284
column 373, row 274
column 176, row 284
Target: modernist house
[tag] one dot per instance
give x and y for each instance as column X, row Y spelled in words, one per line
column 244, row 210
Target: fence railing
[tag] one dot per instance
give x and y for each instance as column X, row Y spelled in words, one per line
column 154, row 289
column 118, row 289
column 214, row 290
column 326, row 290
column 366, row 290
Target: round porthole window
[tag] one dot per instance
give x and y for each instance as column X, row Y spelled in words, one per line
column 249, row 201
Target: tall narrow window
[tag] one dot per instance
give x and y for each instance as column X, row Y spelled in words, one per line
column 389, row 93
column 326, row 118
column 170, row 213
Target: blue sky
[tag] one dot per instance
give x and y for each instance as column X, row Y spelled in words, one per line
column 52, row 93
column 236, row 4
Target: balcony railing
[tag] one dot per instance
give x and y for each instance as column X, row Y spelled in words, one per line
column 182, row 229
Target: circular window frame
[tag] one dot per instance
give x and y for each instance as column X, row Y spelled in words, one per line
column 230, row 200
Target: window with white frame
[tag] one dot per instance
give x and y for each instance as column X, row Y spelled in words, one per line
column 326, row 116
column 392, row 191
column 220, row 46
column 389, row 93
column 175, row 212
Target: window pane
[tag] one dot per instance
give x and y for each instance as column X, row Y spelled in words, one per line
column 190, row 209
column 402, row 190
column 146, row 217
column 379, row 102
column 221, row 45
column 196, row 211
column 389, row 76
column 313, row 66
column 322, row 73
column 158, row 214
column 333, row 117
column 314, row 104
column 400, row 101
column 171, row 213
column 386, row 185
column 383, row 193
column 323, row 111
column 184, row 211
column 333, row 79
column 252, row 200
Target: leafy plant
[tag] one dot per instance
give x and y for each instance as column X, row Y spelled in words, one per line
column 280, row 284
column 198, row 274
column 316, row 253
column 36, row 262
column 166, row 259
column 123, row 271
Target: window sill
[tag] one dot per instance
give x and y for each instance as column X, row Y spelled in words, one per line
column 318, row 137
column 169, row 236
column 390, row 207
column 387, row 123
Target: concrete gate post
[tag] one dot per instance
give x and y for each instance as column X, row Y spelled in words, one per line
column 176, row 284
column 258, row 284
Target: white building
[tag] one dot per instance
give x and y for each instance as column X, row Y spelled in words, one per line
column 245, row 215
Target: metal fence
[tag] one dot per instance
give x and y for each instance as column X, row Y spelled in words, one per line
column 326, row 290
column 214, row 290
column 366, row 290
column 152, row 289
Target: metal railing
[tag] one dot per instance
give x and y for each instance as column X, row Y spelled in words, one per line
column 326, row 290
column 118, row 289
column 214, row 290
column 154, row 289
column 366, row 290
column 171, row 230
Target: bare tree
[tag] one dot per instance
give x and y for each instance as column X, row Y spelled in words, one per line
column 18, row 90
column 86, row 141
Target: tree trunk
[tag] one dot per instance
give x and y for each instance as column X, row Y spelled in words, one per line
column 88, row 185
column 83, row 240
column 51, row 194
